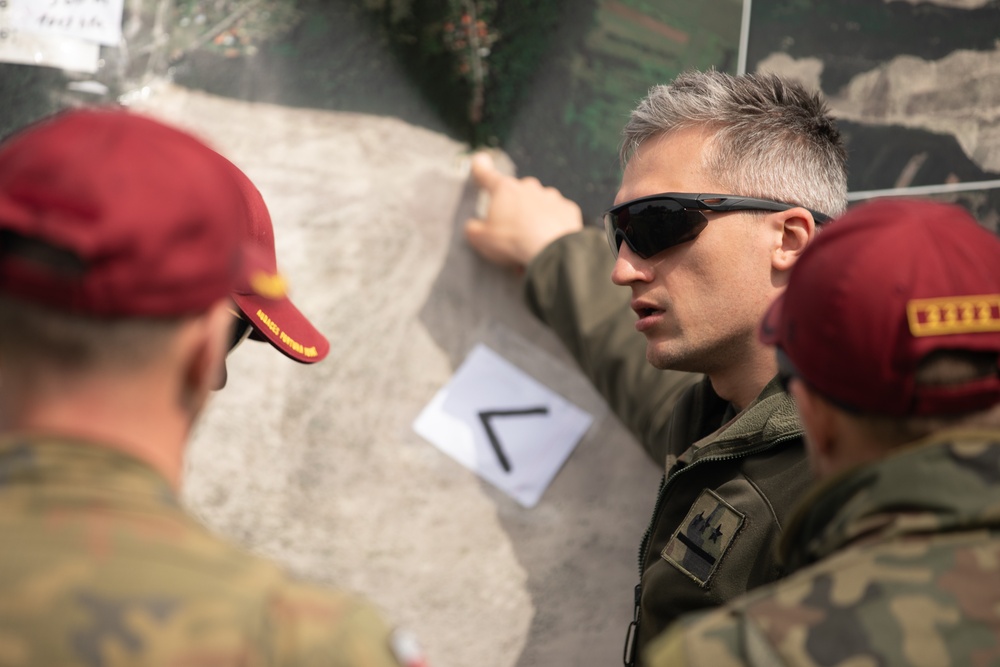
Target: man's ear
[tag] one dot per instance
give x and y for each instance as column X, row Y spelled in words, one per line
column 795, row 230
column 204, row 356
column 820, row 424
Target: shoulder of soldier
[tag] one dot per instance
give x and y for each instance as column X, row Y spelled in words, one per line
column 729, row 636
column 707, row 639
column 890, row 582
column 322, row 626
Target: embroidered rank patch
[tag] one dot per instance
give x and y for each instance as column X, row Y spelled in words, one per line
column 703, row 538
column 954, row 315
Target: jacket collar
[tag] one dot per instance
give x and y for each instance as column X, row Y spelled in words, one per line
column 947, row 482
column 770, row 418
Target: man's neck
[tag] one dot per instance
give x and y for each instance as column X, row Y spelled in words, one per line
column 124, row 418
column 742, row 384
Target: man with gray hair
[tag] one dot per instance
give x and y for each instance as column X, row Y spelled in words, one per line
column 724, row 182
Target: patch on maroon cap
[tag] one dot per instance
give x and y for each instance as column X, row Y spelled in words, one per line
column 145, row 213
column 976, row 313
column 884, row 286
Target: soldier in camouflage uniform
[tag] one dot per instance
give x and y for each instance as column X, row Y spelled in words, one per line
column 119, row 246
column 889, row 338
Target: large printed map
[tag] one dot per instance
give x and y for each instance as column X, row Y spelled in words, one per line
column 916, row 86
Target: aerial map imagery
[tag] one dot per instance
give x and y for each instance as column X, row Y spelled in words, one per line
column 915, row 87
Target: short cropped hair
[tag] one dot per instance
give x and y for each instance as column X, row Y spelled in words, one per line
column 36, row 337
column 772, row 138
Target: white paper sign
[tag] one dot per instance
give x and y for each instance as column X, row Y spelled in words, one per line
column 30, row 49
column 504, row 425
column 91, row 20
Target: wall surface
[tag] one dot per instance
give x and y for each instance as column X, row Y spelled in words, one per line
column 318, row 466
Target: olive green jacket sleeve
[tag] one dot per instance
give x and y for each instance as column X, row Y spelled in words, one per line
column 568, row 287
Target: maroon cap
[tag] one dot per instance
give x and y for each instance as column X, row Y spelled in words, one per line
column 265, row 301
column 881, row 288
column 143, row 216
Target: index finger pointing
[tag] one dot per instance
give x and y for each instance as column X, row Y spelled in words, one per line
column 484, row 172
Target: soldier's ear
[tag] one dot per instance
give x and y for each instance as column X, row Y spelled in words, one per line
column 820, row 424
column 795, row 230
column 204, row 357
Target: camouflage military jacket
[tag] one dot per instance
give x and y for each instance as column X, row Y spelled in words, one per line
column 100, row 567
column 897, row 563
column 730, row 480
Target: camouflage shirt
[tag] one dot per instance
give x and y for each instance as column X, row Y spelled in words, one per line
column 101, row 567
column 896, row 563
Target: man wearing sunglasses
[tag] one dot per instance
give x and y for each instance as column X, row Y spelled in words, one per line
column 725, row 181
column 120, row 254
column 893, row 559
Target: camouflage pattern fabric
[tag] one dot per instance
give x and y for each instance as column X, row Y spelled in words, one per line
column 897, row 563
column 100, row 567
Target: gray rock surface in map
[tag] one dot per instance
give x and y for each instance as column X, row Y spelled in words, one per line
column 957, row 95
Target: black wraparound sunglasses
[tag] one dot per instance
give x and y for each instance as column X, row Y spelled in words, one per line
column 241, row 330
column 652, row 224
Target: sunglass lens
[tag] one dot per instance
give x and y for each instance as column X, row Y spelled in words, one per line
column 241, row 329
column 650, row 227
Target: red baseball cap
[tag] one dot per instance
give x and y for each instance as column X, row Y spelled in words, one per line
column 264, row 301
column 881, row 288
column 143, row 217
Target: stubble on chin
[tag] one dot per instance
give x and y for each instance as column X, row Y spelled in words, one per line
column 664, row 356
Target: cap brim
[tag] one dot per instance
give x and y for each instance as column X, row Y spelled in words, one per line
column 284, row 326
column 769, row 331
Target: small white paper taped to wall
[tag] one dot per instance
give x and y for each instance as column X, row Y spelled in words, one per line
column 42, row 50
column 90, row 20
column 503, row 424
column 25, row 48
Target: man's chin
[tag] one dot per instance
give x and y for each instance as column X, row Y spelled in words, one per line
column 660, row 356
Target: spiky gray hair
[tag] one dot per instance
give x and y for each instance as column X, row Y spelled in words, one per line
column 771, row 138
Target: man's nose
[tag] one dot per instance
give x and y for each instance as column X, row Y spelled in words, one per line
column 629, row 267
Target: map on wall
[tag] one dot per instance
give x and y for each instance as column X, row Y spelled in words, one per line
column 915, row 84
column 915, row 87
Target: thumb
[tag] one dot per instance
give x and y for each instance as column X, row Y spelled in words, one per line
column 484, row 172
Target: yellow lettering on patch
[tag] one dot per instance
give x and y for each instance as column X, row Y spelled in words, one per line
column 954, row 315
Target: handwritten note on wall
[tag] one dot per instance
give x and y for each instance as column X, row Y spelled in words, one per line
column 28, row 48
column 91, row 20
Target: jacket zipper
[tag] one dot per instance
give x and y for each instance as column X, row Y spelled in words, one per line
column 633, row 633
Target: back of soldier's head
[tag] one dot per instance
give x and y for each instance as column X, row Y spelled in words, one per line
column 113, row 228
column 893, row 314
